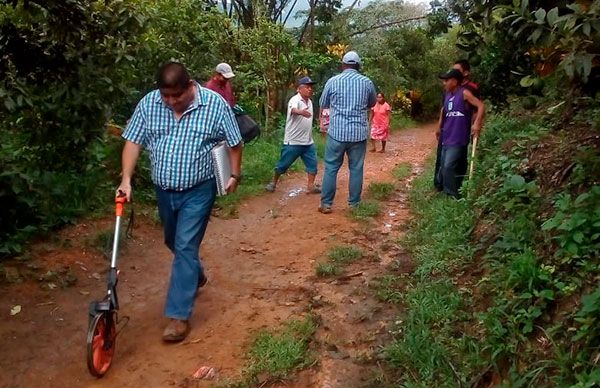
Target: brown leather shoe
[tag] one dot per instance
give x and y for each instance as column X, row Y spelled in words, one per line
column 176, row 331
column 325, row 209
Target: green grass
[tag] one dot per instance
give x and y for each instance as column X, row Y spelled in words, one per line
column 327, row 269
column 387, row 289
column 402, row 170
column 338, row 257
column 439, row 240
column 366, row 210
column 275, row 354
column 380, row 190
column 401, row 121
column 344, row 254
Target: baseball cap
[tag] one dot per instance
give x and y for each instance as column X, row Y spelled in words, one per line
column 351, row 58
column 306, row 81
column 453, row 73
column 225, row 70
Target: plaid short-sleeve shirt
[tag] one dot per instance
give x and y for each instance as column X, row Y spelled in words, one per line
column 180, row 149
column 348, row 96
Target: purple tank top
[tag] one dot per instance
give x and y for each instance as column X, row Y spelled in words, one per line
column 456, row 130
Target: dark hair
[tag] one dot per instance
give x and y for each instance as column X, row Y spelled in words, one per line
column 464, row 64
column 382, row 95
column 173, row 75
column 354, row 66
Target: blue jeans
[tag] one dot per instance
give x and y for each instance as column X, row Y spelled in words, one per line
column 185, row 216
column 291, row 152
column 453, row 167
column 334, row 158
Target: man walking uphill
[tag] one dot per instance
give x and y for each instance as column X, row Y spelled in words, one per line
column 349, row 96
column 179, row 124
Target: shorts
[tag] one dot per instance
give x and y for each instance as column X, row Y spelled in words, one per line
column 289, row 154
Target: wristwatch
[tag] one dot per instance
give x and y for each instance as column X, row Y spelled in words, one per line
column 238, row 178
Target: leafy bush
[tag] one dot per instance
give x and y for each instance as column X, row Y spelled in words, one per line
column 576, row 225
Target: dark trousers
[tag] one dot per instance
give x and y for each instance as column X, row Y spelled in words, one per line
column 438, row 162
column 452, row 169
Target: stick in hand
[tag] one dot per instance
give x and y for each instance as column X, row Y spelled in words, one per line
column 473, row 150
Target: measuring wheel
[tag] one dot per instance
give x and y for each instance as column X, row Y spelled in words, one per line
column 101, row 337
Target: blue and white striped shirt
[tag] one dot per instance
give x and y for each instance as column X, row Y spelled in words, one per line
column 180, row 149
column 348, row 96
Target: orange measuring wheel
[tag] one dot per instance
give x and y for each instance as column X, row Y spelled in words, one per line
column 101, row 340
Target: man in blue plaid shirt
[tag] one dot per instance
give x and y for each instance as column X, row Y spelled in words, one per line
column 179, row 124
column 348, row 96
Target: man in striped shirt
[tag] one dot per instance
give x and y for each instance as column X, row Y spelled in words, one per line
column 179, row 124
column 348, row 96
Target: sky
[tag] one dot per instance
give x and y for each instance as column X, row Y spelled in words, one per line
column 303, row 5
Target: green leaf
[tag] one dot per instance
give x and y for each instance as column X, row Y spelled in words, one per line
column 540, row 15
column 547, row 294
column 536, row 34
column 526, row 81
column 9, row 103
column 516, row 181
column 550, row 224
column 524, row 6
column 587, row 30
column 552, row 16
column 578, row 237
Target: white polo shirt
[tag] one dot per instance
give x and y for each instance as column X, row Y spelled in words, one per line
column 298, row 129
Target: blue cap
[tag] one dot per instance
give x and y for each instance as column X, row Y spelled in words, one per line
column 351, row 58
column 306, row 81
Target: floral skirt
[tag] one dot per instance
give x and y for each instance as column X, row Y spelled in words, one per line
column 380, row 133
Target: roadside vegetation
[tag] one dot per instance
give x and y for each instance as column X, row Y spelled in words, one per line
column 338, row 257
column 506, row 284
column 275, row 354
column 505, row 290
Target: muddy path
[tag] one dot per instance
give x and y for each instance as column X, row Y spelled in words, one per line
column 261, row 270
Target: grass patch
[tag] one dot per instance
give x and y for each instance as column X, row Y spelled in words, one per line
column 424, row 347
column 274, row 354
column 344, row 254
column 387, row 289
column 402, row 170
column 338, row 256
column 366, row 210
column 327, row 269
column 401, row 121
column 380, row 190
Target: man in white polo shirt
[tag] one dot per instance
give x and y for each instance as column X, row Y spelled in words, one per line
column 298, row 141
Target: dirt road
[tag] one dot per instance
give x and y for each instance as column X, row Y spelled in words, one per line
column 261, row 270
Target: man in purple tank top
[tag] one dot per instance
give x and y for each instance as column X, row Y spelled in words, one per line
column 456, row 130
